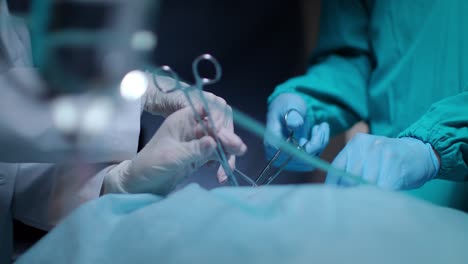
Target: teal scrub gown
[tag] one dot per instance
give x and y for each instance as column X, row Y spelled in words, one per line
column 401, row 66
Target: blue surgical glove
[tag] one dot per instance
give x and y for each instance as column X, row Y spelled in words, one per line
column 390, row 163
column 313, row 138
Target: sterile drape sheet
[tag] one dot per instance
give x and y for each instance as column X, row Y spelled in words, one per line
column 273, row 224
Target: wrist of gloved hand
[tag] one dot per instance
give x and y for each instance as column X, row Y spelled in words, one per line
column 158, row 171
column 115, row 177
column 432, row 156
column 127, row 177
column 123, row 178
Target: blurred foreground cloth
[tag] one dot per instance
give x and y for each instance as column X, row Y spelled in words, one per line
column 275, row 224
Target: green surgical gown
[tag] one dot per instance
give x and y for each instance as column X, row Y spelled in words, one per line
column 401, row 66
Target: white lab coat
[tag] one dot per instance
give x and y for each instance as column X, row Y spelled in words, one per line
column 40, row 194
column 45, row 193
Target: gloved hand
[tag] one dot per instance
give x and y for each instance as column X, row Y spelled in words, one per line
column 177, row 149
column 314, row 138
column 159, row 103
column 391, row 163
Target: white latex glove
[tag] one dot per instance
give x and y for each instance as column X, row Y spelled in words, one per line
column 159, row 103
column 177, row 149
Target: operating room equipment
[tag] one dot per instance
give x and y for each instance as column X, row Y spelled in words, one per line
column 69, row 54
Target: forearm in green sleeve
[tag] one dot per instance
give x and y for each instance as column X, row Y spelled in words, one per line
column 445, row 127
column 335, row 86
column 334, row 90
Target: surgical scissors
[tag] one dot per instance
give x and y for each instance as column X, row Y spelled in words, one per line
column 200, row 82
column 283, row 165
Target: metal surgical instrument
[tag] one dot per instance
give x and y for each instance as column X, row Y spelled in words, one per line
column 201, row 81
column 283, row 165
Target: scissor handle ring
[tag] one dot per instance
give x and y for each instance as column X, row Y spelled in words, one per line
column 166, row 71
column 206, row 57
column 292, row 133
column 288, row 112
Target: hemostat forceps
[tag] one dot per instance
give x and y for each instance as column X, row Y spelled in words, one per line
column 283, row 165
column 198, row 89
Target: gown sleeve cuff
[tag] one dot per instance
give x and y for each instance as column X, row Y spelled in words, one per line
column 443, row 144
